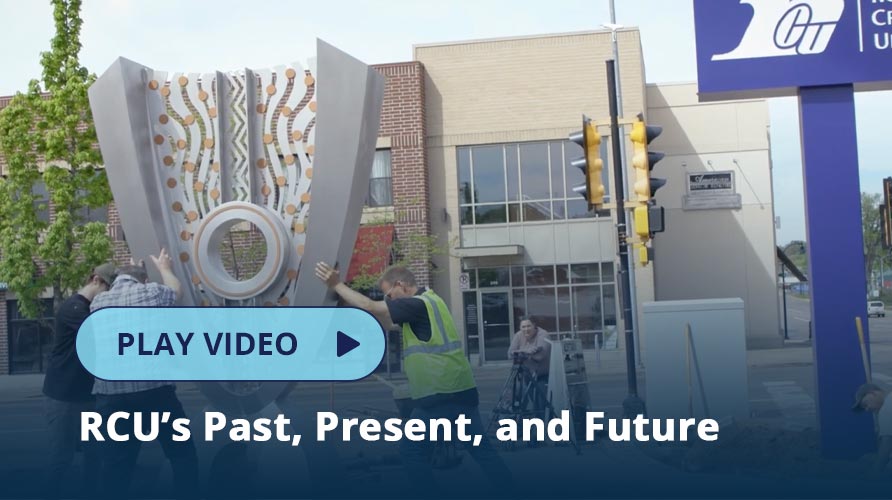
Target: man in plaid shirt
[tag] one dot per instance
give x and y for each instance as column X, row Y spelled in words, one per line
column 131, row 289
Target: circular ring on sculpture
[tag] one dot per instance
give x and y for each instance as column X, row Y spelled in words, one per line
column 209, row 261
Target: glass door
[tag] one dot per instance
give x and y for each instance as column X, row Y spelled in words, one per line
column 495, row 317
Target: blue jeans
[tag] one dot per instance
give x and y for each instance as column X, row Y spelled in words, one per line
column 416, row 459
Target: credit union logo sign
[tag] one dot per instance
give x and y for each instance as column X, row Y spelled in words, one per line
column 787, row 28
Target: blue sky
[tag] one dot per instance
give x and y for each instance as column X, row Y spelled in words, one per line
column 177, row 35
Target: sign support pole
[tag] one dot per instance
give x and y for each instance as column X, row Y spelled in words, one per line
column 836, row 264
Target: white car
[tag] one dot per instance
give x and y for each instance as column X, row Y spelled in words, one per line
column 876, row 308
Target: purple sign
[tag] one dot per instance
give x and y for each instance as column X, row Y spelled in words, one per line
column 766, row 48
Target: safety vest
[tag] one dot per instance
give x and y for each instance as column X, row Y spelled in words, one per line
column 438, row 366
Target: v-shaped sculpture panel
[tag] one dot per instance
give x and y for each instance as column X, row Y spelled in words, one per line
column 288, row 150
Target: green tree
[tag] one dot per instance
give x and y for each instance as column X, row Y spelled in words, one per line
column 48, row 139
column 870, row 225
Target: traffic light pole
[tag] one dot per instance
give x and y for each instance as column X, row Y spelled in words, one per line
column 632, row 405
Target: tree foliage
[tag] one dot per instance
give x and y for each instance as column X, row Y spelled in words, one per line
column 870, row 225
column 48, row 139
column 414, row 251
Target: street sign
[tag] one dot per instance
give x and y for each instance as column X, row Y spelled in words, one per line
column 747, row 47
column 822, row 51
column 464, row 281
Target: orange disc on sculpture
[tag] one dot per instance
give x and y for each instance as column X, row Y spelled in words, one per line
column 287, row 111
column 268, row 139
column 261, row 163
column 189, row 166
column 184, row 256
column 171, row 183
column 270, row 89
column 209, row 142
column 165, row 91
column 309, row 173
column 311, row 149
column 168, row 160
column 280, row 180
column 154, row 85
column 205, row 303
column 290, row 73
column 189, row 120
column 290, row 208
column 283, row 301
column 215, row 166
column 163, row 119
column 289, row 159
column 192, row 216
column 199, row 186
column 177, row 206
column 183, row 81
column 300, row 249
column 159, row 139
column 265, row 190
column 312, row 106
column 202, row 95
column 196, row 280
column 215, row 193
column 267, row 304
column 212, row 112
column 296, row 135
column 261, row 108
column 292, row 274
column 181, row 143
column 185, row 235
column 305, row 197
column 298, row 227
column 309, row 80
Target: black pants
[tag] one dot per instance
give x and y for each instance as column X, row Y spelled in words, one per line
column 119, row 458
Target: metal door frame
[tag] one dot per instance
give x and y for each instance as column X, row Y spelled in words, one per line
column 481, row 338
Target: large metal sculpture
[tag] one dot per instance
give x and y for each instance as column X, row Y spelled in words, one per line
column 188, row 156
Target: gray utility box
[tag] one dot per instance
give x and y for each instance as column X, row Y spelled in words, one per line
column 709, row 376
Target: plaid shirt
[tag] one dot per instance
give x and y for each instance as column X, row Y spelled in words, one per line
column 126, row 291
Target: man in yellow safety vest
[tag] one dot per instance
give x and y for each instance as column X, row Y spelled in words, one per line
column 441, row 383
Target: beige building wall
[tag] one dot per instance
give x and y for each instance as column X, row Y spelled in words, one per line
column 721, row 252
column 516, row 90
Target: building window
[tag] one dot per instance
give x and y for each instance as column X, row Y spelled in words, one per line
column 575, row 299
column 380, row 190
column 30, row 340
column 522, row 182
column 41, row 201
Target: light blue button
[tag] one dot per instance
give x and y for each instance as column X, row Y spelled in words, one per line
column 230, row 343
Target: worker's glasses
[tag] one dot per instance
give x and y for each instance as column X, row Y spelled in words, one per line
column 392, row 288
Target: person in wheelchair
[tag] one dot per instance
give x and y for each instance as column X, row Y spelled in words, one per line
column 531, row 349
column 530, row 343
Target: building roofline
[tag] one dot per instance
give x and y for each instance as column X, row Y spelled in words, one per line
column 521, row 37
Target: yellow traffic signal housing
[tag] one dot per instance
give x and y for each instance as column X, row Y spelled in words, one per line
column 642, row 223
column 643, row 160
column 591, row 164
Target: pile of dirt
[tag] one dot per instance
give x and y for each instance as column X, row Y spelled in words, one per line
column 753, row 447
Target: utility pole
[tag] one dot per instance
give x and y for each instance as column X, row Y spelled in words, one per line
column 632, row 405
column 623, row 189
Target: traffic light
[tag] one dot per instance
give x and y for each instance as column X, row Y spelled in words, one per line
column 591, row 163
column 643, row 160
column 886, row 213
